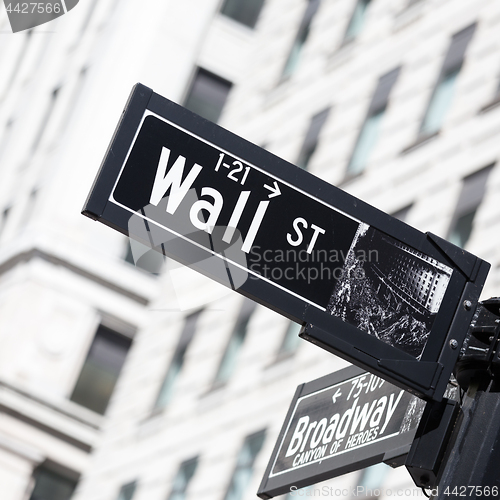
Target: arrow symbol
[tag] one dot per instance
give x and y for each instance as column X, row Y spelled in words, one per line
column 336, row 395
column 275, row 191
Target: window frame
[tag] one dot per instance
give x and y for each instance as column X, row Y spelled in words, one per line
column 177, row 493
column 295, row 52
column 235, row 341
column 290, row 341
column 350, row 35
column 311, row 139
column 472, row 193
column 259, row 438
column 452, row 65
column 177, row 361
column 376, row 111
column 56, row 470
column 123, row 490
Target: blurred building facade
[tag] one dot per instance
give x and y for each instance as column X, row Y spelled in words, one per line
column 124, row 377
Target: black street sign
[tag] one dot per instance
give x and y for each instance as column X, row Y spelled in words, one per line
column 340, row 423
column 364, row 285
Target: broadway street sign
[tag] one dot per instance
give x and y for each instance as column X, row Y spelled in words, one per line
column 337, row 424
column 365, row 286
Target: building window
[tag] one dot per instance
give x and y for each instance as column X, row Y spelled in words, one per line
column 244, row 11
column 357, row 20
column 244, row 466
column 365, row 143
column 177, row 362
column 439, row 104
column 182, row 479
column 371, row 480
column 50, row 485
column 291, row 339
column 207, row 95
column 127, row 491
column 300, row 39
column 101, row 369
column 230, row 357
column 473, row 189
column 367, row 138
column 311, row 139
column 442, row 95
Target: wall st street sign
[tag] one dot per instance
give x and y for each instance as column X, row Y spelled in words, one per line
column 345, row 421
column 364, row 285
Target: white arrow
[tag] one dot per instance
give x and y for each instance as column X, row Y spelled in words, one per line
column 336, row 395
column 275, row 191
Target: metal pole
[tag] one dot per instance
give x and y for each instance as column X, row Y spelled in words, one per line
column 473, row 466
column 453, row 457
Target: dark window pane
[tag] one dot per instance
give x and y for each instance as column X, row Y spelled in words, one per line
column 51, row 486
column 244, row 466
column 207, row 95
column 178, row 360
column 471, row 196
column 300, row 38
column 368, row 135
column 182, row 479
column 101, row 370
column 383, row 90
column 442, row 95
column 456, row 51
column 230, row 357
column 439, row 104
column 127, row 491
column 365, row 144
column 357, row 19
column 473, row 189
column 311, row 139
column 462, row 229
column 244, row 11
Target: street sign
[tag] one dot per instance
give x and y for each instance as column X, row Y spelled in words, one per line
column 343, row 422
column 364, row 285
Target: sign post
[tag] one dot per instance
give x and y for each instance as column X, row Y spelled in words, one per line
column 364, row 285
